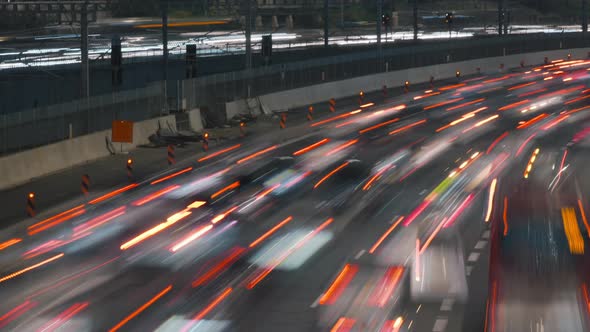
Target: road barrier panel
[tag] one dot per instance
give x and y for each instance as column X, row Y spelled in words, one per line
column 171, row 157
column 85, row 184
column 332, row 105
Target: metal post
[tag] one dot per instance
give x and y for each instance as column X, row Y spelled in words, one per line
column 325, row 23
column 85, row 93
column 584, row 15
column 164, row 5
column 248, row 34
column 415, row 20
column 500, row 17
column 379, row 16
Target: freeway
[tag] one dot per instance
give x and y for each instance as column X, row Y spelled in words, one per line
column 456, row 208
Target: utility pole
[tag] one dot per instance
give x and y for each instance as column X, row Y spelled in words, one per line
column 164, row 4
column 584, row 15
column 84, row 77
column 248, row 34
column 326, row 23
column 379, row 17
column 415, row 20
column 500, row 17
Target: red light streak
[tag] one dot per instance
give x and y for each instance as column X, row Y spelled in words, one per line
column 226, row 189
column 533, row 121
column 505, row 216
column 63, row 317
column 427, row 95
column 32, row 267
column 418, row 211
column 256, row 154
column 334, row 171
column 218, row 268
column 442, row 103
column 72, row 277
column 222, row 216
column 100, row 220
column 367, row 105
column 411, row 125
column 155, row 230
column 213, row 304
column 520, row 86
column 575, row 110
column 466, row 104
column 337, row 117
column 16, row 312
column 339, row 285
column 459, row 210
column 583, row 214
column 168, row 177
column 9, row 243
column 530, row 93
column 220, row 152
column 342, row 147
column 451, row 87
column 278, row 261
column 385, row 235
column 374, row 178
column 513, row 105
column 343, row 325
column 496, row 141
column 140, row 309
column 56, row 220
column 378, row 126
column 555, row 122
column 113, row 193
column 311, row 147
column 497, row 79
column 155, row 195
column 571, row 101
column 519, row 151
column 193, row 236
column 270, row 232
column 384, row 289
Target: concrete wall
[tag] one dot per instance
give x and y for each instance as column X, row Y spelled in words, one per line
column 322, row 92
column 22, row 167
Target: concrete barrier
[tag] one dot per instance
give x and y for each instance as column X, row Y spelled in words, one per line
column 194, row 119
column 323, row 92
column 22, row 167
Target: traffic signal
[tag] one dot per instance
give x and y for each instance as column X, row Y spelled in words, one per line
column 449, row 18
column 385, row 19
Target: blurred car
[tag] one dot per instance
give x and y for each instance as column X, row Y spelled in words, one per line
column 364, row 295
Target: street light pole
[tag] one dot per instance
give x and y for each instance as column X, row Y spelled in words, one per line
column 248, row 34
column 500, row 17
column 415, row 20
column 584, row 15
column 379, row 17
column 85, row 72
column 164, row 5
column 325, row 23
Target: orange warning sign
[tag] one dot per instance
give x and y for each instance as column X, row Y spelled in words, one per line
column 122, row 131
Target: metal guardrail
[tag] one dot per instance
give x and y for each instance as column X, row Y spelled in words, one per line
column 40, row 126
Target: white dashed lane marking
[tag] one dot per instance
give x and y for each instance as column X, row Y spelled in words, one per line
column 481, row 244
column 362, row 252
column 473, row 257
column 447, row 305
column 468, row 270
column 486, row 235
column 440, row 324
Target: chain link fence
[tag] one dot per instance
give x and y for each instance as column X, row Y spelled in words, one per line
column 41, row 126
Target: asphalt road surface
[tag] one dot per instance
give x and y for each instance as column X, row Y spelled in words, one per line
column 458, row 208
